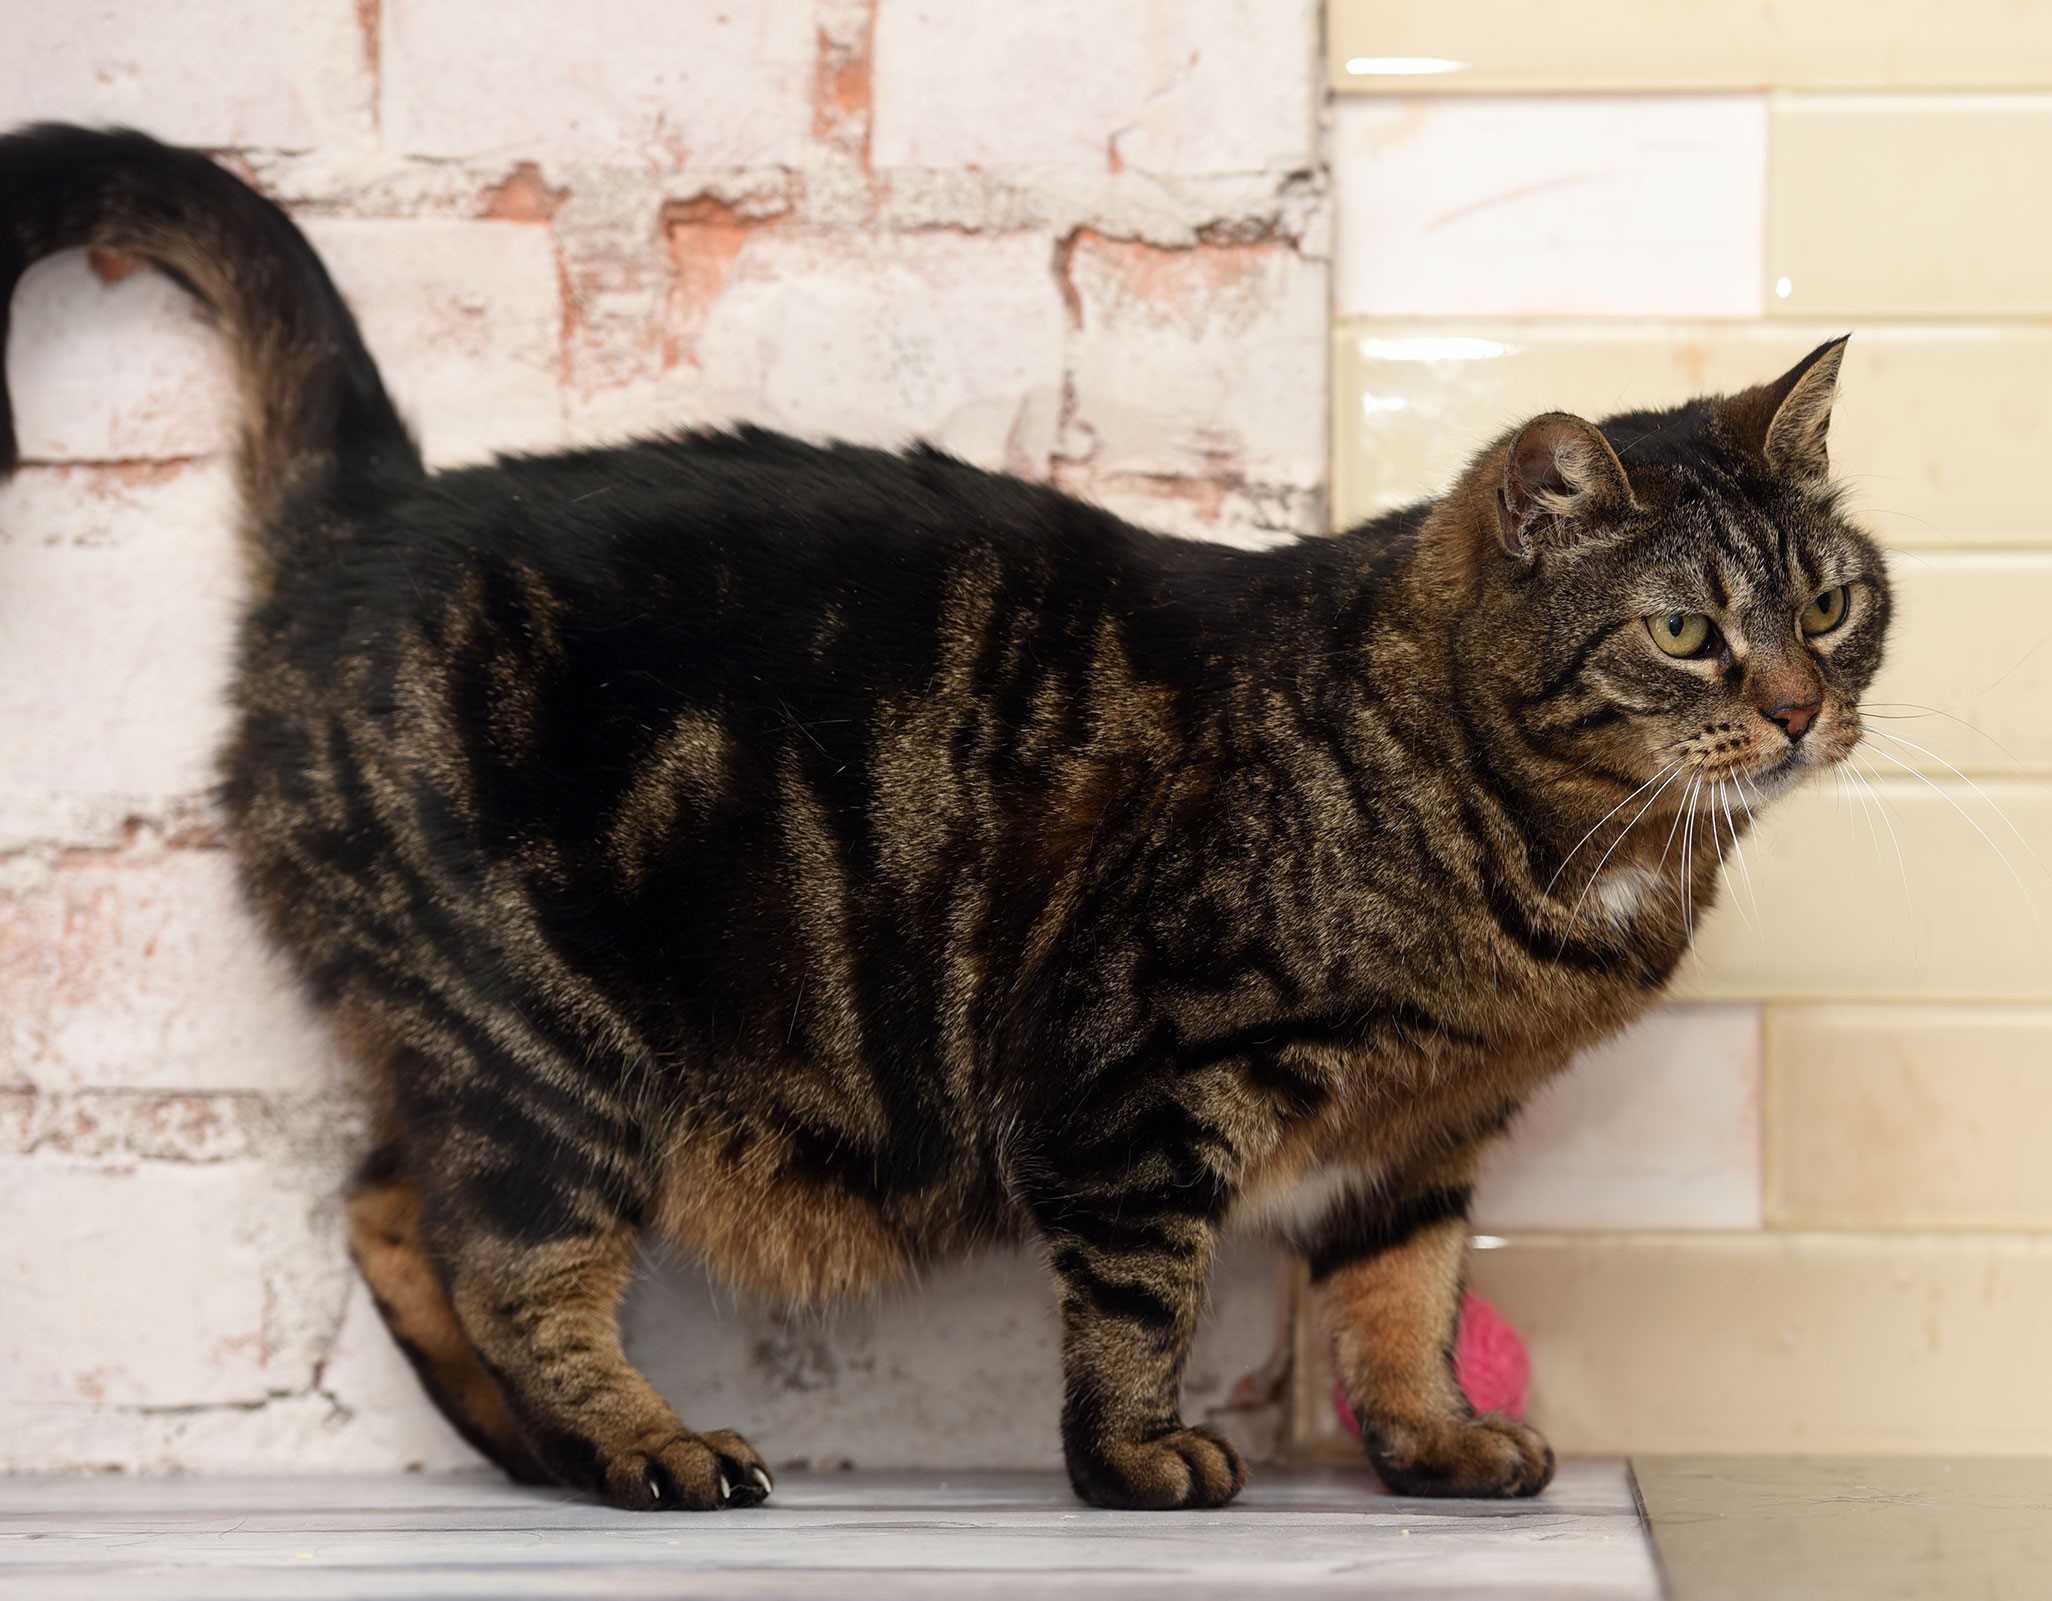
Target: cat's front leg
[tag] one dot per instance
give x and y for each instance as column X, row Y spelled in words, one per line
column 1386, row 1269
column 1131, row 1222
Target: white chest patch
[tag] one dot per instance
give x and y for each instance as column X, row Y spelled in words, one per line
column 1300, row 1207
column 1623, row 892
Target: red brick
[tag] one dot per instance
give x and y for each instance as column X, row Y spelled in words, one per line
column 1203, row 364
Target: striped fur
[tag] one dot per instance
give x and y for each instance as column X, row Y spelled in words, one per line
column 833, row 860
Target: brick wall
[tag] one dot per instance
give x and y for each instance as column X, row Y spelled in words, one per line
column 1082, row 241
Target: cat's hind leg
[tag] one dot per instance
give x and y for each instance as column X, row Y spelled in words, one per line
column 528, row 1182
column 385, row 1239
column 544, row 1316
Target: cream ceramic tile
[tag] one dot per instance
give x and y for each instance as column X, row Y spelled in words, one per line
column 1939, row 430
column 1910, row 205
column 1782, row 1342
column 1969, row 669
column 1498, row 45
column 1965, row 913
column 1549, row 206
column 1910, row 1117
column 1660, row 1128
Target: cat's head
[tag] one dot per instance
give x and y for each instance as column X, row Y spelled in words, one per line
column 1678, row 590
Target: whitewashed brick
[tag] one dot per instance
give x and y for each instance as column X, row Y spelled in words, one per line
column 143, row 969
column 392, row 1422
column 465, row 322
column 1619, row 206
column 464, row 319
column 177, row 1304
column 948, row 337
column 123, row 1126
column 126, row 371
column 1199, row 86
column 216, row 73
column 116, row 631
column 1657, row 1129
column 140, row 1284
column 635, row 83
column 1208, row 362
column 1252, row 516
column 294, row 1433
column 962, row 1369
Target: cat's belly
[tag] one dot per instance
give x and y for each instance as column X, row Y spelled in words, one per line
column 775, row 1235
column 1291, row 1203
column 783, row 1235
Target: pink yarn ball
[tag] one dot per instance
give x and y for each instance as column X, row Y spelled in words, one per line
column 1490, row 1365
column 1490, row 1362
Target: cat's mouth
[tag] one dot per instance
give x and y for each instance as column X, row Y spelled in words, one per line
column 1779, row 773
column 1754, row 770
column 1790, row 767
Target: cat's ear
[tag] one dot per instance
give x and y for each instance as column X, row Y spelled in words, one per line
column 1561, row 480
column 1786, row 421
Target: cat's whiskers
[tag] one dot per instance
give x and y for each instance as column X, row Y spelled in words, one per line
column 1738, row 852
column 1716, row 833
column 1980, row 793
column 1606, row 817
column 2002, row 855
column 1668, row 844
column 1679, row 828
column 1918, row 712
column 1839, row 771
column 1738, row 788
column 1576, row 911
column 1688, row 859
column 1856, row 770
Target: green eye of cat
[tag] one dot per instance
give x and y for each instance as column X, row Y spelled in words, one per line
column 1826, row 612
column 1681, row 633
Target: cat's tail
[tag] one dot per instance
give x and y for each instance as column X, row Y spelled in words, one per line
column 312, row 402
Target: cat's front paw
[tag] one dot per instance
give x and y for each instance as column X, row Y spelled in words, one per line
column 1491, row 1456
column 1184, row 1467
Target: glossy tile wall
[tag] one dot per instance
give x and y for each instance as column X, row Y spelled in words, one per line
column 1807, row 1207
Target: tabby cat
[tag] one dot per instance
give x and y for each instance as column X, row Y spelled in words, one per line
column 830, row 860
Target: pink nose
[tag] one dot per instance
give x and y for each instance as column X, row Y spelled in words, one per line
column 1794, row 719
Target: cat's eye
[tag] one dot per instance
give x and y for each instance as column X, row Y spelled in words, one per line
column 1826, row 612
column 1681, row 633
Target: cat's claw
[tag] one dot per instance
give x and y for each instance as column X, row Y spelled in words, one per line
column 686, row 1472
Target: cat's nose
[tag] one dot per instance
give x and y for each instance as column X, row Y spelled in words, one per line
column 1795, row 717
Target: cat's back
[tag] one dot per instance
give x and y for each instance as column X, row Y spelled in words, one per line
column 559, row 613
column 664, row 534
